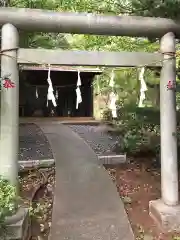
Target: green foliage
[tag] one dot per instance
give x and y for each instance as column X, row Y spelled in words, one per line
column 8, row 202
column 111, row 43
column 95, row 6
column 139, row 128
column 42, row 40
column 139, row 136
column 8, row 199
column 155, row 8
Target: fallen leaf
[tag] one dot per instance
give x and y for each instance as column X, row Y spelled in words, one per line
column 127, row 200
column 148, row 237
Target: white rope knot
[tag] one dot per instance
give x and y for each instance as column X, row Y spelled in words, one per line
column 50, row 94
column 143, row 88
column 78, row 91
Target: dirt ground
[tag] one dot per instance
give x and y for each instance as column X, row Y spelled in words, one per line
column 138, row 182
column 37, row 190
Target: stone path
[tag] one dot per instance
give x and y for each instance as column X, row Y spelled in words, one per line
column 33, row 145
column 86, row 203
column 99, row 140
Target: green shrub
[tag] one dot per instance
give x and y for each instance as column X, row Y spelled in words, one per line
column 107, row 115
column 139, row 128
column 8, row 201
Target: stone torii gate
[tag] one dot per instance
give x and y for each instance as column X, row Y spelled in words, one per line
column 13, row 19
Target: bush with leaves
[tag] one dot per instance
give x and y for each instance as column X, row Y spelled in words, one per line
column 139, row 128
column 140, row 131
column 8, row 202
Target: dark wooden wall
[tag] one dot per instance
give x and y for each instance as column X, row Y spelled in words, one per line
column 65, row 84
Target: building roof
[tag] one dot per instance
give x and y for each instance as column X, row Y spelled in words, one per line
column 60, row 68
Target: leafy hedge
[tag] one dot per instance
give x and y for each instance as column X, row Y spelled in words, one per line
column 139, row 128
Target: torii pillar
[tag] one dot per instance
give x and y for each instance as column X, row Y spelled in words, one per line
column 9, row 116
column 166, row 211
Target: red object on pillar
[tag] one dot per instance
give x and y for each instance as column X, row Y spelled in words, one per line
column 170, row 85
column 8, row 83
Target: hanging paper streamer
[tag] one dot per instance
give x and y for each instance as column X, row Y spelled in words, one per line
column 79, row 79
column 57, row 94
column 36, row 93
column 50, row 95
column 111, row 83
column 98, row 87
column 143, row 88
column 113, row 96
column 78, row 91
column 112, row 106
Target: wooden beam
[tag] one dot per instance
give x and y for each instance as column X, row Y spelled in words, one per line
column 85, row 58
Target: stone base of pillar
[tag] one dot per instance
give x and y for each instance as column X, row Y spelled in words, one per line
column 167, row 217
column 17, row 227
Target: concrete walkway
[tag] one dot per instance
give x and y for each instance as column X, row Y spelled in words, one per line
column 86, row 202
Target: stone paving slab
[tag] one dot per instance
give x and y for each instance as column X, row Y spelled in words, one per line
column 86, row 203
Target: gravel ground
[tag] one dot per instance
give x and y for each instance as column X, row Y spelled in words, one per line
column 100, row 141
column 33, row 144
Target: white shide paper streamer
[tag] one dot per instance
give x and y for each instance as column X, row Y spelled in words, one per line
column 113, row 96
column 143, row 88
column 50, row 94
column 37, row 93
column 78, row 91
